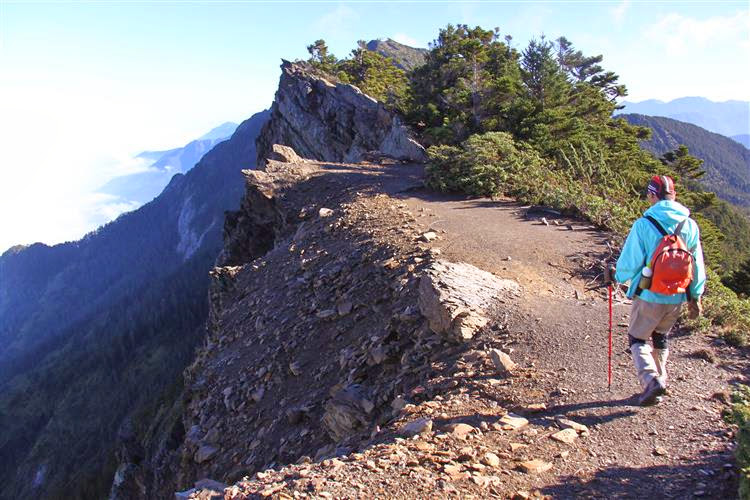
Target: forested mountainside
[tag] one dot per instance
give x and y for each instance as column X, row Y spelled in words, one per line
column 98, row 329
column 728, row 118
column 743, row 139
column 403, row 56
column 726, row 162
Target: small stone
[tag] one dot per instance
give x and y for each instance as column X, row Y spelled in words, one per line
column 490, row 459
column 453, row 470
column 535, row 407
column 517, row 446
column 567, row 436
column 326, row 313
column 325, row 212
column 428, row 236
column 205, row 453
column 514, row 422
column 294, row 368
column 344, row 307
column 419, row 426
column 535, row 466
column 398, row 403
column 257, row 394
column 461, row 430
column 660, row 451
column 503, row 363
column 565, row 423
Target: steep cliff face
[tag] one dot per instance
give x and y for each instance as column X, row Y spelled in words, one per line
column 332, row 121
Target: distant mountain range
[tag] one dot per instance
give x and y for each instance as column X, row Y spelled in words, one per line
column 743, row 139
column 143, row 187
column 729, row 118
column 726, row 162
column 98, row 329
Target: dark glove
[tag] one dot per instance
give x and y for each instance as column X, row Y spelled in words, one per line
column 609, row 275
column 695, row 308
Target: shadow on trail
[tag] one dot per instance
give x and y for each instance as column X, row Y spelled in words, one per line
column 707, row 478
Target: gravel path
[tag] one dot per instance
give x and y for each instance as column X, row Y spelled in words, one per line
column 678, row 449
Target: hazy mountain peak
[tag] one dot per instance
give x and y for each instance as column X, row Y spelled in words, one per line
column 728, row 118
column 223, row 131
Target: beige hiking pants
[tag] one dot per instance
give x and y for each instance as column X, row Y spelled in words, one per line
column 649, row 317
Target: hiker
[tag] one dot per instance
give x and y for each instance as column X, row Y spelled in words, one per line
column 660, row 282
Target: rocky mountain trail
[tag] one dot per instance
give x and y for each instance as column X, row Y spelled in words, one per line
column 370, row 338
column 329, row 374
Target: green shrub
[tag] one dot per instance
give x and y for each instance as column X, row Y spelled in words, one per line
column 726, row 311
column 493, row 164
column 740, row 416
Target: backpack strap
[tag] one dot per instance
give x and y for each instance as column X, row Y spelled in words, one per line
column 658, row 226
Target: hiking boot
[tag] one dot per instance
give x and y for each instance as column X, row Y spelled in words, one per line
column 651, row 395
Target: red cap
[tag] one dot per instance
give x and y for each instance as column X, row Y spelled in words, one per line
column 661, row 185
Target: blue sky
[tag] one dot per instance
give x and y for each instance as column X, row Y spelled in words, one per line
column 86, row 85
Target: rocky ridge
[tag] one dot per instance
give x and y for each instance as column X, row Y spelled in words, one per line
column 334, row 122
column 319, row 338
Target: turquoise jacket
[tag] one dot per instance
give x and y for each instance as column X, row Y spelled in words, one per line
column 642, row 242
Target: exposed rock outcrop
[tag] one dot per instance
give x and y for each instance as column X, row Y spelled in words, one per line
column 316, row 336
column 332, row 122
column 455, row 298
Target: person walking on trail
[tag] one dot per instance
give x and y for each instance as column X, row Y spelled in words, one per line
column 663, row 260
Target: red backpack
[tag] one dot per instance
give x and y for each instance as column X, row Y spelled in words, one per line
column 672, row 263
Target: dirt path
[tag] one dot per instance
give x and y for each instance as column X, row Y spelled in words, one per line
column 678, row 449
column 480, row 433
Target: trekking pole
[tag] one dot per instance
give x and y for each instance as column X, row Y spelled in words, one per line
column 609, row 356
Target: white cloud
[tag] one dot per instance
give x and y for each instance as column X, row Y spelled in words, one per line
column 407, row 40
column 336, row 20
column 681, row 35
column 106, row 207
column 618, row 13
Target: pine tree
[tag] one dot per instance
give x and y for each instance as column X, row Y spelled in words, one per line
column 682, row 162
column 319, row 56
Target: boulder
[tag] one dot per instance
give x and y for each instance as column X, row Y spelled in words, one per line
column 348, row 412
column 284, row 154
column 333, row 122
column 456, row 297
column 419, row 426
column 503, row 364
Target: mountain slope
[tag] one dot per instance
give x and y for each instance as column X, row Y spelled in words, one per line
column 405, row 57
column 142, row 187
column 743, row 139
column 727, row 163
column 97, row 329
column 727, row 118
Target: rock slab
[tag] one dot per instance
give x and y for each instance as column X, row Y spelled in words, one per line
column 456, row 298
column 503, row 364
